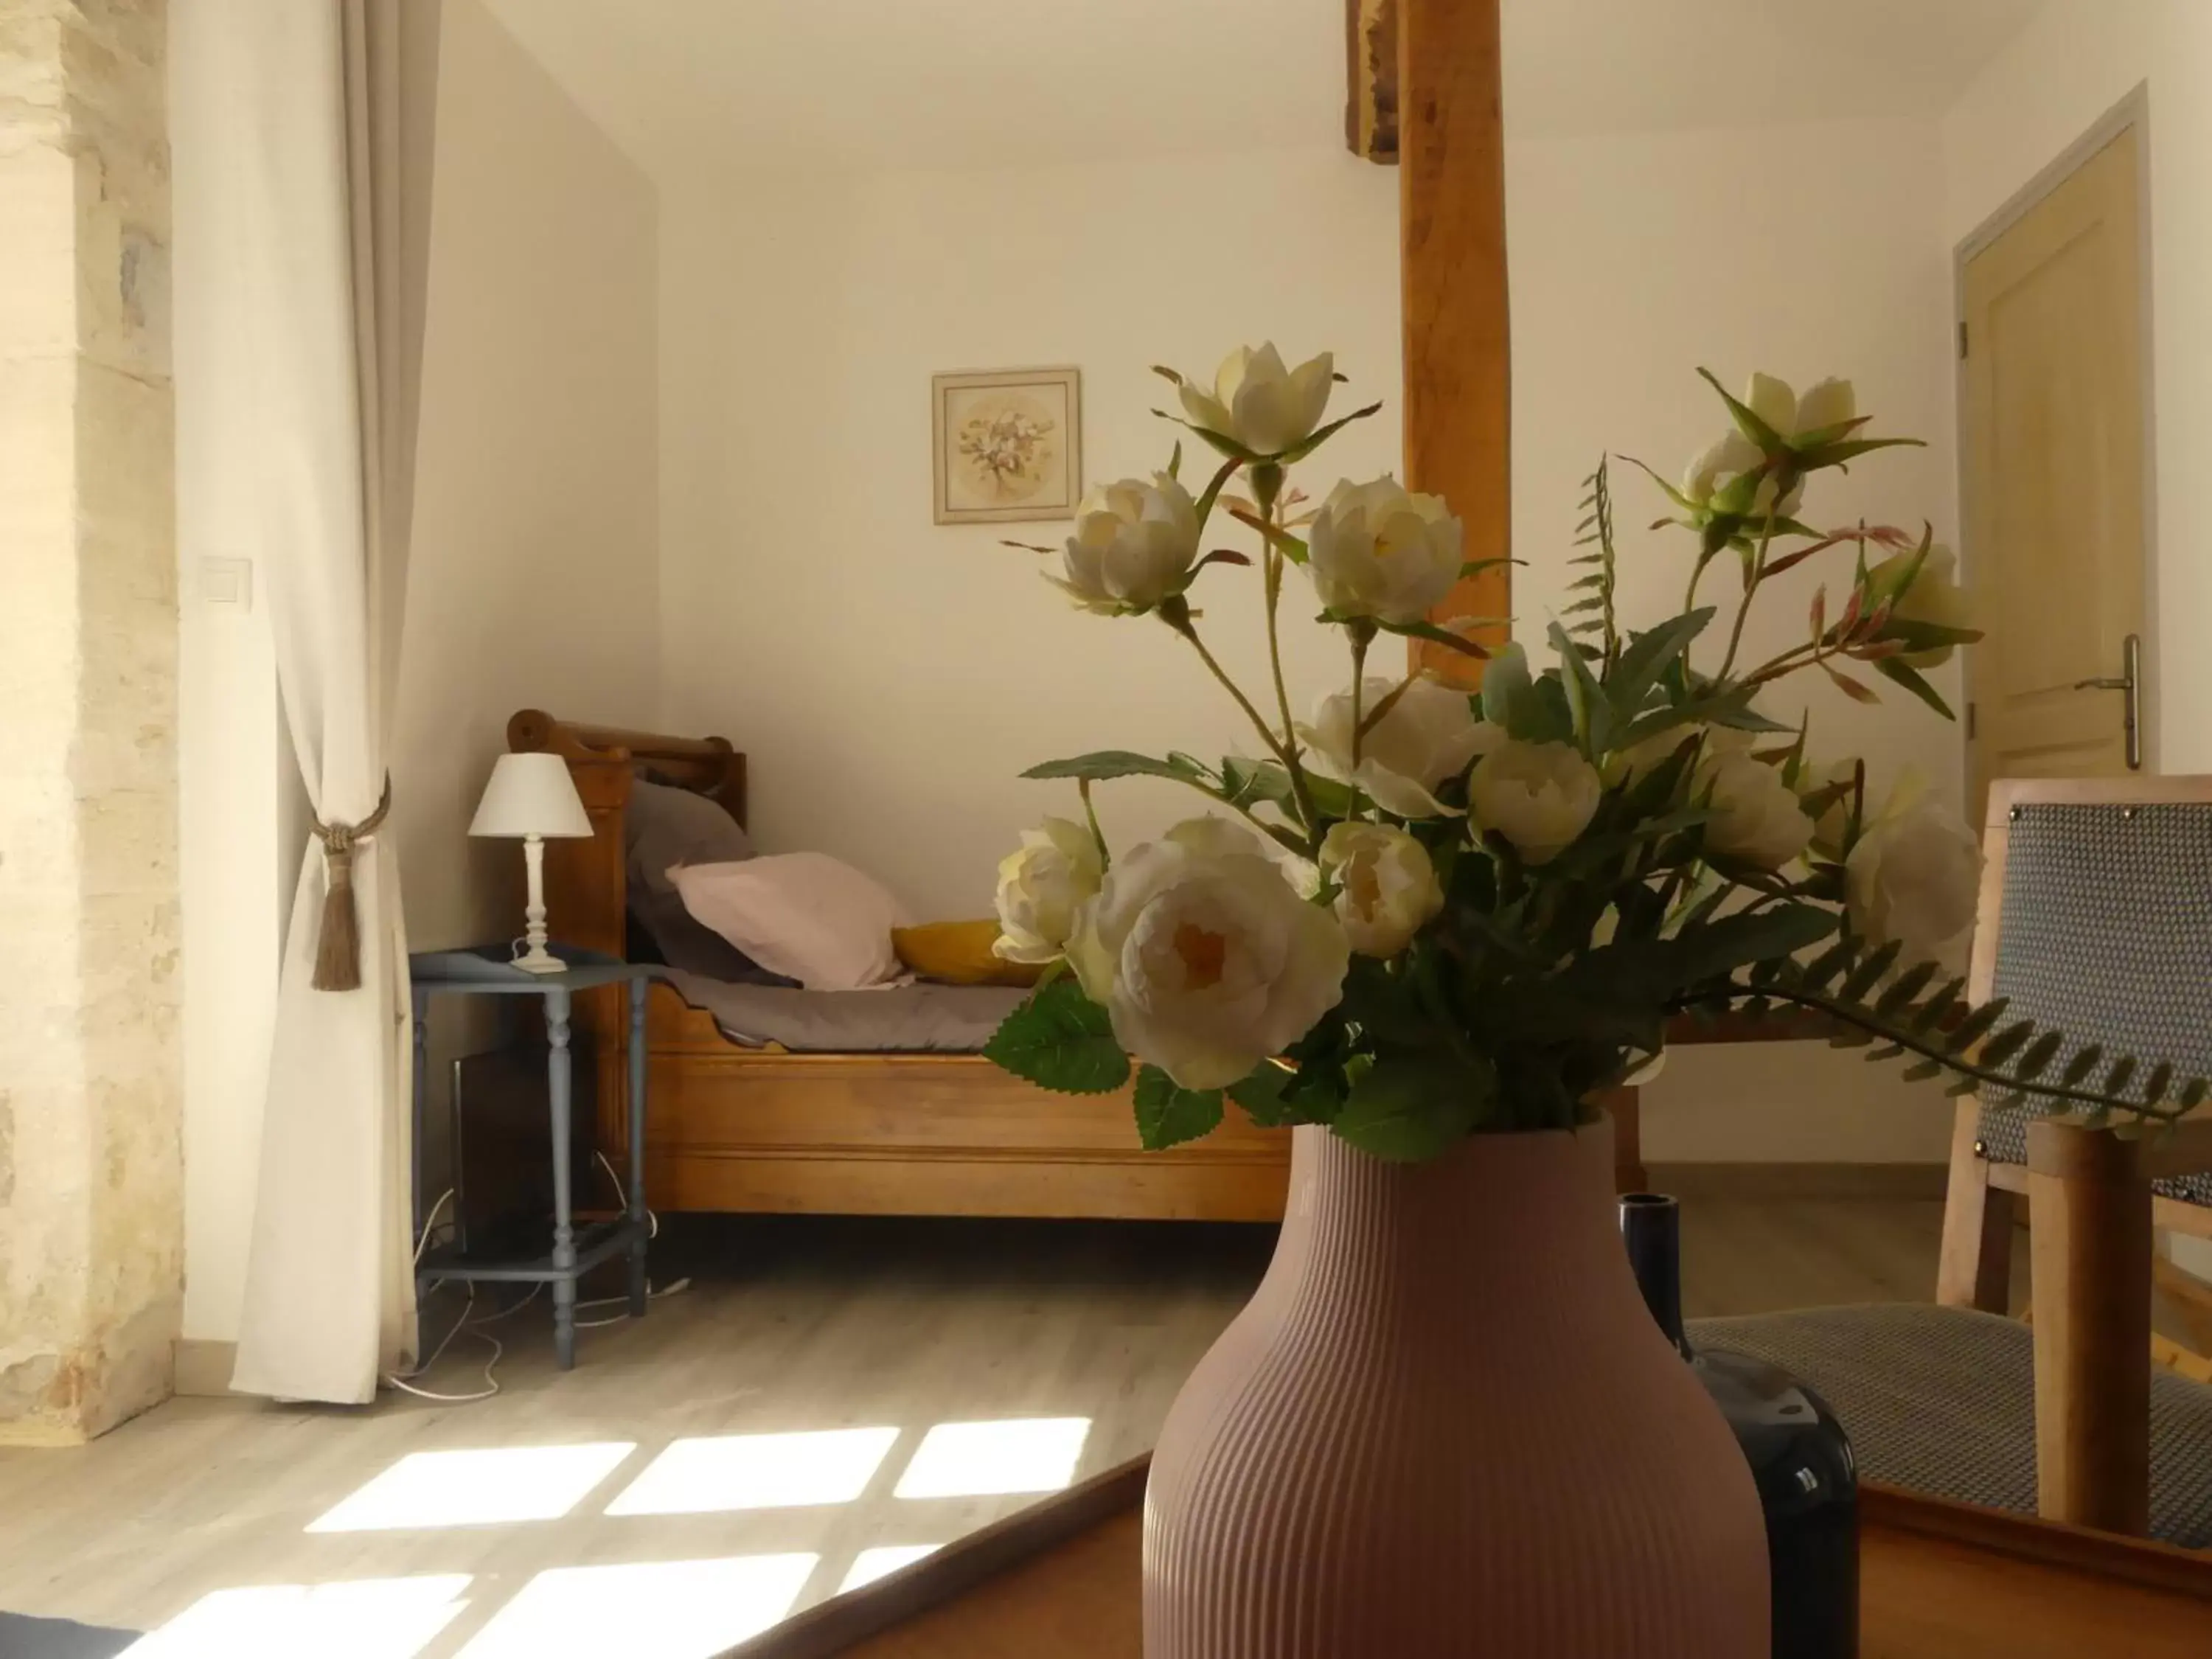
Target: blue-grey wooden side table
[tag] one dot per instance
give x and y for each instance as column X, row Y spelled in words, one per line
column 489, row 972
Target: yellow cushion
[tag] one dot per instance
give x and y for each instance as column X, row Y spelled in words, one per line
column 959, row 953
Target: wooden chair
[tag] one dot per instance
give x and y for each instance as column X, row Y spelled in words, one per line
column 2096, row 918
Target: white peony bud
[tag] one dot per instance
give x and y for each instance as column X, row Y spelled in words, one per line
column 1260, row 404
column 1934, row 597
column 1206, row 960
column 1377, row 551
column 1757, row 818
column 1539, row 796
column 1429, row 735
column 1042, row 887
column 1914, row 878
column 1387, row 887
column 1135, row 543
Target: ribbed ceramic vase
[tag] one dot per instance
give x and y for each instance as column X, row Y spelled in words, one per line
column 1447, row 1428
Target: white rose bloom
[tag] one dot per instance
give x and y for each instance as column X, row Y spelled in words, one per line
column 1625, row 767
column 1430, row 735
column 1043, row 885
column 1935, row 597
column 1378, row 551
column 1914, row 878
column 1258, row 402
column 1206, row 960
column 1387, row 887
column 1539, row 796
column 1830, row 403
column 1757, row 818
column 1135, row 543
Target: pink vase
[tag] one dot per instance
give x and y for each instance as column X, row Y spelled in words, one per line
column 1447, row 1428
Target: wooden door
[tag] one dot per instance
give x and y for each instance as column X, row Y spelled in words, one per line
column 2055, row 399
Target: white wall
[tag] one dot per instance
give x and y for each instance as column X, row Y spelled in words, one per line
column 891, row 678
column 535, row 572
column 534, row 579
column 2076, row 61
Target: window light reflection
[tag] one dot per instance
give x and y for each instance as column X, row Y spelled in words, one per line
column 651, row 1610
column 368, row 1618
column 476, row 1488
column 882, row 1561
column 979, row 1460
column 757, row 1472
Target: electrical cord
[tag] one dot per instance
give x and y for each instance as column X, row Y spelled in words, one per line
column 475, row 1327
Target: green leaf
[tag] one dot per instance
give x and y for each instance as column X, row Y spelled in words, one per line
column 2122, row 1074
column 1214, row 486
column 1769, row 440
column 1838, row 454
column 1934, row 1012
column 1275, row 535
column 1062, row 1041
column 1903, row 673
column 2007, row 1043
column 1221, row 440
column 1407, row 1110
column 1109, row 764
column 1168, row 1114
column 1436, row 635
column 1506, row 688
column 1261, row 1096
column 2041, row 1053
column 1298, row 452
column 1246, row 783
column 1900, row 993
column 1649, row 656
column 1978, row 1024
column 2078, row 1068
column 1593, row 715
column 1871, row 972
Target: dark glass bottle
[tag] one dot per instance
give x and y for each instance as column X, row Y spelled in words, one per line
column 1797, row 1449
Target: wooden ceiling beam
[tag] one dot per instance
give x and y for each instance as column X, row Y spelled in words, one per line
column 1371, row 105
column 1457, row 336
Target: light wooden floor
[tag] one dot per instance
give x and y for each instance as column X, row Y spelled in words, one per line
column 789, row 1326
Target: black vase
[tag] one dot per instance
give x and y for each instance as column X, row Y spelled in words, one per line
column 1797, row 1449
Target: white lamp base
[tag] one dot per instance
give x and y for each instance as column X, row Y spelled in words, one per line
column 536, row 959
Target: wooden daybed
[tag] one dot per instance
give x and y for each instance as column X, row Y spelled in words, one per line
column 732, row 1128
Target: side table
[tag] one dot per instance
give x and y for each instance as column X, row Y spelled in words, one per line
column 489, row 972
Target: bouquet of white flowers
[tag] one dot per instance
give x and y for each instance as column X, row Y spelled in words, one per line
column 1420, row 913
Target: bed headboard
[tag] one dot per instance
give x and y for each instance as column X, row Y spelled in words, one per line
column 585, row 881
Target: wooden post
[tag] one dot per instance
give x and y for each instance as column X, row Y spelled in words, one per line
column 2089, row 1238
column 1458, row 396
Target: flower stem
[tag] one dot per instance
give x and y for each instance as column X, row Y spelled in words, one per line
column 1361, row 637
column 1179, row 620
column 1750, row 592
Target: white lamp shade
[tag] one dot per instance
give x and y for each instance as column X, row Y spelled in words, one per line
column 532, row 796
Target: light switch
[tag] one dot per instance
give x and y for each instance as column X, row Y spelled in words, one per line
column 226, row 582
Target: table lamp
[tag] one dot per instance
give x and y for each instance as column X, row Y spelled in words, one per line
column 531, row 797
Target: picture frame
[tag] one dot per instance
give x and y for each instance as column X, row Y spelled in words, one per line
column 1006, row 445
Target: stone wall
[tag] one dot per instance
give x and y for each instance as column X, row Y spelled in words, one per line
column 90, row 1094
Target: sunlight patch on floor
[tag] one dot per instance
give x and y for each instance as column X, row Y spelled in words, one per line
column 982, row 1460
column 476, row 1488
column 885, row 1559
column 728, row 1473
column 652, row 1610
column 371, row 1618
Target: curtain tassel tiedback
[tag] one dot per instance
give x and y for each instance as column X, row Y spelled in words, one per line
column 338, row 951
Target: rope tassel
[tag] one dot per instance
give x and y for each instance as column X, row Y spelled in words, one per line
column 338, row 947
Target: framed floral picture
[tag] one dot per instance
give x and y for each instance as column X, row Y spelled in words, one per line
column 1009, row 445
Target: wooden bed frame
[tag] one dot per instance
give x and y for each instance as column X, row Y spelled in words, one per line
column 731, row 1128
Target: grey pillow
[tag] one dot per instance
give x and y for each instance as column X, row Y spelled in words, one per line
column 666, row 827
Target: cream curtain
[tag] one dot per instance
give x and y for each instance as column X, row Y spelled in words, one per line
column 318, row 145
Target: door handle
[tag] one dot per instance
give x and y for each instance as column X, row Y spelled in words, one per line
column 2130, row 683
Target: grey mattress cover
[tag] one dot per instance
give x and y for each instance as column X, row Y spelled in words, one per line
column 921, row 1017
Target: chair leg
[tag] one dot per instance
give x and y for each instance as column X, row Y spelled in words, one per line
column 1975, row 1270
column 2090, row 1235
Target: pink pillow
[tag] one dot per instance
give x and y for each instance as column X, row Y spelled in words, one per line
column 805, row 915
